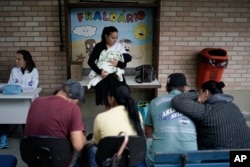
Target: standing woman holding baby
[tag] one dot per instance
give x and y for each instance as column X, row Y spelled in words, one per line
column 108, row 42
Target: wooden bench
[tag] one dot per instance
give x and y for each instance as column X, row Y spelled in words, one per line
column 217, row 158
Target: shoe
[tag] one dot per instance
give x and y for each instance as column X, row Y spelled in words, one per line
column 3, row 142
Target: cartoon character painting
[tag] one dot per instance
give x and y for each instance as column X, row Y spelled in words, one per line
column 89, row 45
column 127, row 43
column 141, row 31
column 80, row 57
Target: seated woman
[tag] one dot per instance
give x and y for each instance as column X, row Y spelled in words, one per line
column 24, row 74
column 219, row 122
column 122, row 116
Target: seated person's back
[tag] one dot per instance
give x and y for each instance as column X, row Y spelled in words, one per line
column 123, row 116
column 170, row 130
column 58, row 115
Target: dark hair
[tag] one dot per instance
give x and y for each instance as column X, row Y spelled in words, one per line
column 121, row 93
column 30, row 64
column 107, row 31
column 213, row 86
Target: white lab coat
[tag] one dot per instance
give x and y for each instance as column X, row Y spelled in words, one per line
column 28, row 79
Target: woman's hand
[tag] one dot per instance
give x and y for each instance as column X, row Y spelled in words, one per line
column 113, row 62
column 104, row 73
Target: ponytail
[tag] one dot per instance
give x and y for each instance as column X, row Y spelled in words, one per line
column 121, row 93
column 134, row 116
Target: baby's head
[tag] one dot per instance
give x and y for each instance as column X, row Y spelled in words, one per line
column 110, row 54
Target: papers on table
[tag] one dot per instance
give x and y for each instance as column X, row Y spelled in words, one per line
column 28, row 89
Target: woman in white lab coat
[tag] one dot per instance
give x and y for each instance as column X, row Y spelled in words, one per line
column 24, row 74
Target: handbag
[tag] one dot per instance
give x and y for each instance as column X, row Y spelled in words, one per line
column 115, row 160
column 147, row 73
column 142, row 106
column 11, row 89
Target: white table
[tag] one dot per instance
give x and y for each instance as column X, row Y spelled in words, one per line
column 14, row 108
column 130, row 80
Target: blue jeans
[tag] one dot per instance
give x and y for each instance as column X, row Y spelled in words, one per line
column 4, row 129
column 91, row 153
column 142, row 164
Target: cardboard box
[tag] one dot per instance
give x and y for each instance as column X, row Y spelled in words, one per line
column 76, row 70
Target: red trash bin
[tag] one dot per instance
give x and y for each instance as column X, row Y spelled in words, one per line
column 212, row 62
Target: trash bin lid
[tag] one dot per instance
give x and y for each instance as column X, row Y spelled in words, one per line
column 214, row 53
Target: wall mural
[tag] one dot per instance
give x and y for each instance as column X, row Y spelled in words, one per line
column 134, row 26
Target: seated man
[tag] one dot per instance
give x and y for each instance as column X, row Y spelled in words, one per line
column 170, row 130
column 59, row 115
column 104, row 63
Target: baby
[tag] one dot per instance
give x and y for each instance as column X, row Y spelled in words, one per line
column 103, row 63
